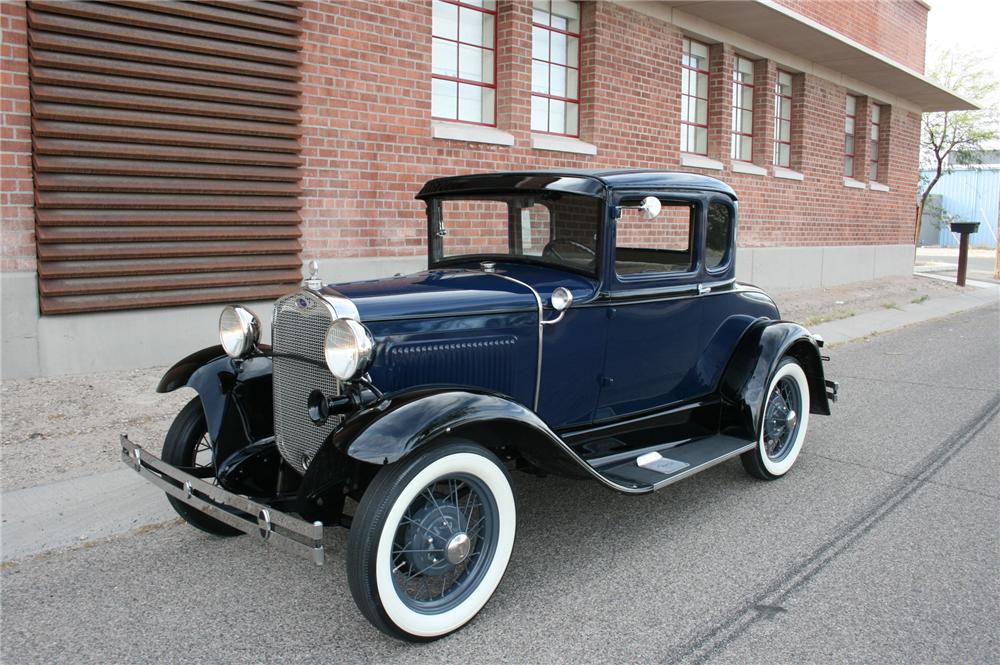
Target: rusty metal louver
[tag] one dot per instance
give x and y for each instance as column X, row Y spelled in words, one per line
column 166, row 152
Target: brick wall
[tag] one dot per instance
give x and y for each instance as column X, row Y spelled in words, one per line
column 895, row 28
column 368, row 144
column 17, row 223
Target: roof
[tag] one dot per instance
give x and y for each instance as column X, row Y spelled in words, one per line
column 768, row 22
column 590, row 182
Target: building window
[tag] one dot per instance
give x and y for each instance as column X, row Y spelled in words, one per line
column 694, row 98
column 851, row 110
column 463, row 61
column 742, row 144
column 783, row 120
column 874, row 140
column 555, row 67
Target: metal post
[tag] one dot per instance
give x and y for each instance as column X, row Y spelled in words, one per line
column 964, row 230
column 963, row 258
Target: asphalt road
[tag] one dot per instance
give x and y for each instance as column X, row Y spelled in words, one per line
column 881, row 545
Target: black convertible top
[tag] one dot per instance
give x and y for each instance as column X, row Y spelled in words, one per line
column 590, row 182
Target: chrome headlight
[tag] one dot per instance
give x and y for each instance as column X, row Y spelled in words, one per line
column 349, row 348
column 239, row 330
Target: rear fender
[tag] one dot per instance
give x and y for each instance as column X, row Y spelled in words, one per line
column 744, row 382
column 236, row 396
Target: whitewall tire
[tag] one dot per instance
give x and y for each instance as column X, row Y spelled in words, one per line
column 431, row 540
column 785, row 419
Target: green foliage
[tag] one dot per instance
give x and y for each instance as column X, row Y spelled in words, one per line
column 958, row 137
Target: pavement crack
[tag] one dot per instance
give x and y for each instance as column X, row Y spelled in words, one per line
column 899, row 475
column 701, row 647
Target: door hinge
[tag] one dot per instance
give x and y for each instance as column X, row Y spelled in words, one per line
column 703, row 289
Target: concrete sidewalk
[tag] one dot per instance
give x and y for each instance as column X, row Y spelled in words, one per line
column 871, row 323
column 68, row 512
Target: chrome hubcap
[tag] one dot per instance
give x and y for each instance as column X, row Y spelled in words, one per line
column 458, row 548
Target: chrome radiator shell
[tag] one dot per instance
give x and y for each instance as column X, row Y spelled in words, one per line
column 297, row 334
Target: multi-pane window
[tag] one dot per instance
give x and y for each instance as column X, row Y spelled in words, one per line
column 873, row 134
column 555, row 67
column 850, row 111
column 783, row 119
column 742, row 144
column 694, row 98
column 463, row 61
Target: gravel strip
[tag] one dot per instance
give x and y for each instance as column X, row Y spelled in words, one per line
column 63, row 427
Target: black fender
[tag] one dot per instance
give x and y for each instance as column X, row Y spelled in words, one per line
column 400, row 423
column 236, row 395
column 744, row 382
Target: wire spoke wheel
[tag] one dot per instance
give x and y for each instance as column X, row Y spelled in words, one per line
column 781, row 421
column 431, row 539
column 188, row 446
column 783, row 424
column 443, row 543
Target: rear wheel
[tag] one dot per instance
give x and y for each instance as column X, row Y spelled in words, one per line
column 187, row 445
column 785, row 419
column 431, row 540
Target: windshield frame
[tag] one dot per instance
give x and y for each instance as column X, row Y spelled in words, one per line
column 435, row 248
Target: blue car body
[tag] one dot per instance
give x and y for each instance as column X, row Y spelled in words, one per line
column 667, row 360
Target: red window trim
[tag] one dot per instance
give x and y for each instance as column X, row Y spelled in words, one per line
column 778, row 118
column 578, row 68
column 854, row 137
column 708, row 104
column 877, row 142
column 456, row 79
column 753, row 99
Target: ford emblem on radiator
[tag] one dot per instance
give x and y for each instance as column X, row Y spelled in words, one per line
column 303, row 303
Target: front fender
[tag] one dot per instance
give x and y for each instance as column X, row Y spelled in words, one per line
column 235, row 395
column 401, row 423
column 743, row 386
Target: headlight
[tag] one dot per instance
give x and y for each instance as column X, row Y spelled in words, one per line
column 348, row 349
column 239, row 330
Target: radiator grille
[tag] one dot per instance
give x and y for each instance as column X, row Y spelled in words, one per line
column 300, row 324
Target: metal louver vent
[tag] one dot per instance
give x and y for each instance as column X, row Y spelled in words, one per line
column 166, row 152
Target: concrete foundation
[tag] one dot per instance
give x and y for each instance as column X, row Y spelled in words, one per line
column 31, row 345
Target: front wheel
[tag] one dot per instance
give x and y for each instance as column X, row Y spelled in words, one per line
column 187, row 445
column 785, row 419
column 431, row 540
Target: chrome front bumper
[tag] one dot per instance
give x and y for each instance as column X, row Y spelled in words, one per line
column 285, row 531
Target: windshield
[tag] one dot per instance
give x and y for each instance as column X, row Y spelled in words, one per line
column 549, row 227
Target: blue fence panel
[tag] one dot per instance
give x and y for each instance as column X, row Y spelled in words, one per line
column 974, row 196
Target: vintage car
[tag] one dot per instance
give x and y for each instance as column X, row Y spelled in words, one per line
column 579, row 323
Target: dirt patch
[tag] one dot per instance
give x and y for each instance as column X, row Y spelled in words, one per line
column 812, row 307
column 64, row 427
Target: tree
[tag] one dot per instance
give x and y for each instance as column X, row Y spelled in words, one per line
column 957, row 137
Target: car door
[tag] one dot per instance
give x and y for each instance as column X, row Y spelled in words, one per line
column 654, row 312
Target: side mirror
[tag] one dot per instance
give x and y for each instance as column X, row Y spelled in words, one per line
column 650, row 207
column 561, row 299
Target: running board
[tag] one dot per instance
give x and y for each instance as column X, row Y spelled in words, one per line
column 650, row 469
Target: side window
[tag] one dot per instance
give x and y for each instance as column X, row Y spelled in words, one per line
column 718, row 235
column 655, row 245
column 535, row 229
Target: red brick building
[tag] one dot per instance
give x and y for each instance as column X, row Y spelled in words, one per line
column 159, row 157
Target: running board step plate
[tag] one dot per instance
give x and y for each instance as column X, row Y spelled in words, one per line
column 653, row 469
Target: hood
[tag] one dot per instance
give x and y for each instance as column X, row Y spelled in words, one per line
column 454, row 292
